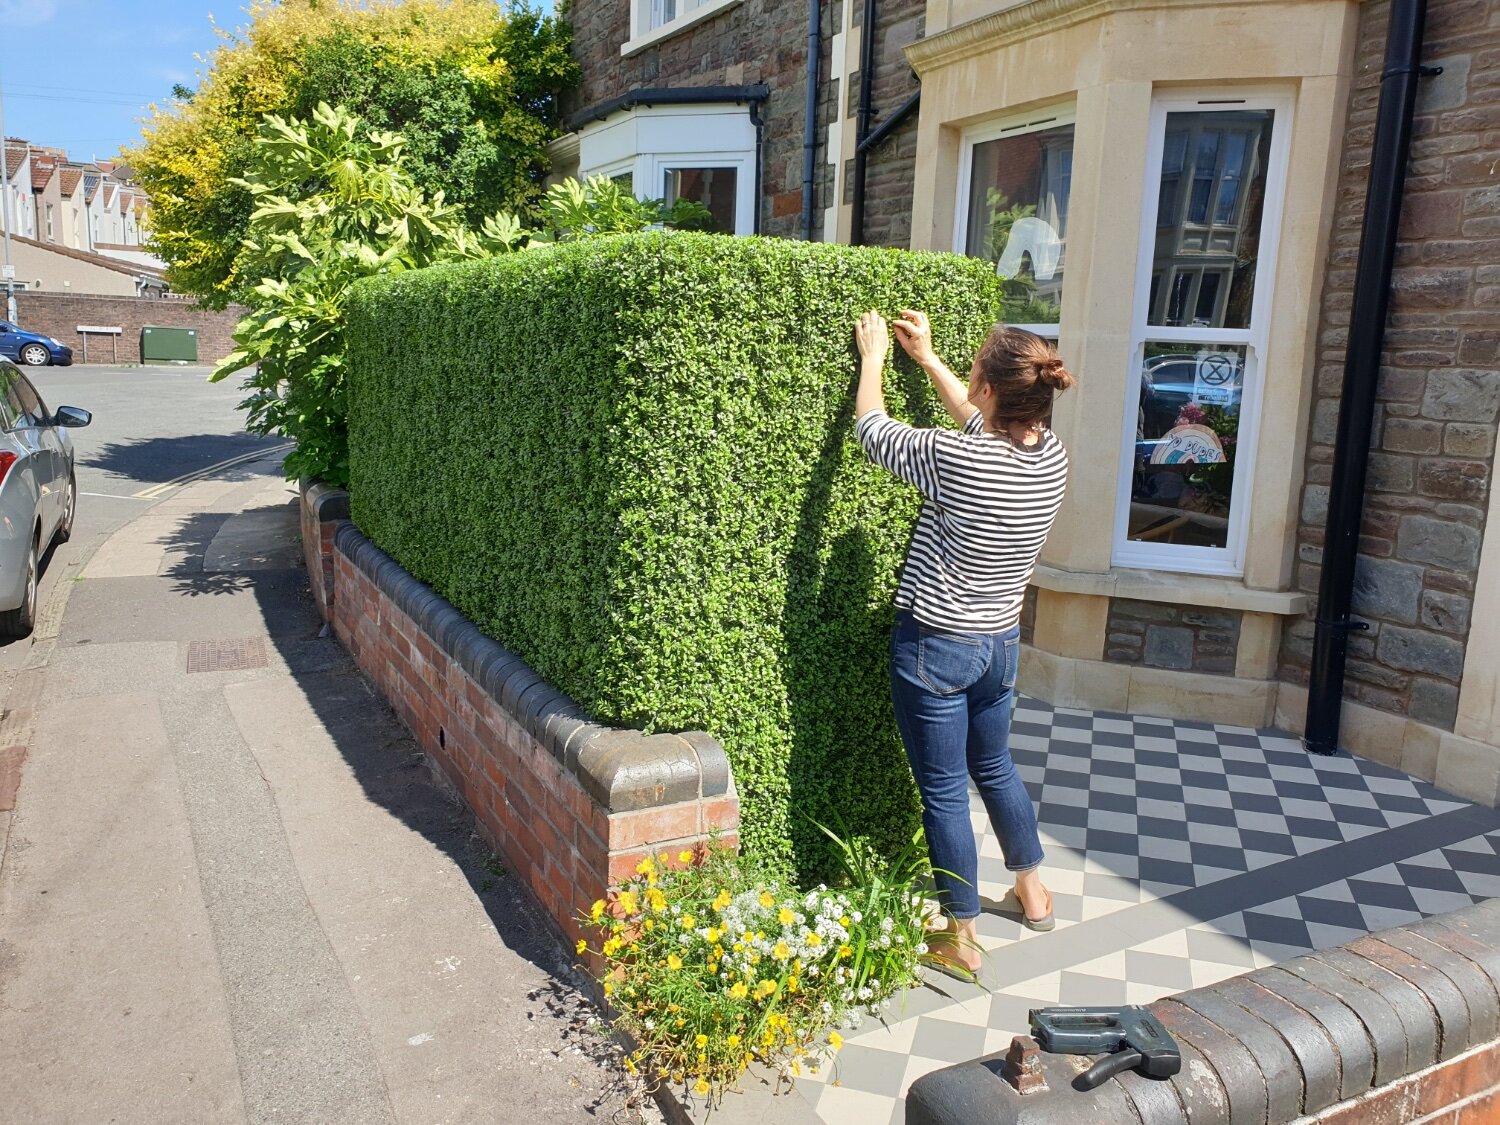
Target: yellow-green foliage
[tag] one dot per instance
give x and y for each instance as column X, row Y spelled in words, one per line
column 472, row 81
column 632, row 460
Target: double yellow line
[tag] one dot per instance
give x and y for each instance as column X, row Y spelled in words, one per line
column 156, row 491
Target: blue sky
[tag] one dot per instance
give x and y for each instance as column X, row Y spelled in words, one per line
column 78, row 74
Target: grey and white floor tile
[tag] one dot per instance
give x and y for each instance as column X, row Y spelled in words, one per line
column 1178, row 854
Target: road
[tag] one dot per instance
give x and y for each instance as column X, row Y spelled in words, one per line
column 152, row 426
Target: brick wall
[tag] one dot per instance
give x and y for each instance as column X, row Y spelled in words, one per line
column 1439, row 393
column 761, row 41
column 890, row 170
column 1163, row 635
column 572, row 805
column 58, row 315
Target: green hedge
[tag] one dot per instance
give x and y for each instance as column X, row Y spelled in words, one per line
column 632, row 460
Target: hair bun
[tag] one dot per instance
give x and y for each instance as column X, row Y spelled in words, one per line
column 1052, row 373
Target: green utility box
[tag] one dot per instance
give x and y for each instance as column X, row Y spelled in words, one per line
column 169, row 345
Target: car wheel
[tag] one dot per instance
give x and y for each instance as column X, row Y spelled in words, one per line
column 19, row 622
column 35, row 355
column 65, row 527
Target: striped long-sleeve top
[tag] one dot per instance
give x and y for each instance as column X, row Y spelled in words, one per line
column 987, row 507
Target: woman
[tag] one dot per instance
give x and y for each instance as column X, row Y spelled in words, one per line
column 990, row 493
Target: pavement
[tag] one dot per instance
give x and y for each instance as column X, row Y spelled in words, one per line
column 228, row 891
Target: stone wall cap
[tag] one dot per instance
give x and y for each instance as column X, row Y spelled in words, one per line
column 326, row 502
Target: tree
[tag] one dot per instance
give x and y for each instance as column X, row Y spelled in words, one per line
column 472, row 87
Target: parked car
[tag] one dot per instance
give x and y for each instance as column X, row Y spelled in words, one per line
column 38, row 492
column 32, row 348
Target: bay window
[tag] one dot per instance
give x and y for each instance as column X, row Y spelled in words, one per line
column 1216, row 167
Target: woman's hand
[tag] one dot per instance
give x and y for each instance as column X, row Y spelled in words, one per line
column 873, row 338
column 914, row 333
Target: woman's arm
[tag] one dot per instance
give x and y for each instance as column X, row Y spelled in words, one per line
column 915, row 334
column 874, row 343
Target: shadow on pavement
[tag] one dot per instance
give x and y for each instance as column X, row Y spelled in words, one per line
column 156, row 460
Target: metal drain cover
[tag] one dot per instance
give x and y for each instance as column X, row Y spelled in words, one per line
column 226, row 656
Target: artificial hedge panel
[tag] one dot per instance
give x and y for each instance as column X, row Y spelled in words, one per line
column 632, row 460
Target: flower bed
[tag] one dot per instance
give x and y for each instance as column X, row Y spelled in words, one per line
column 711, row 964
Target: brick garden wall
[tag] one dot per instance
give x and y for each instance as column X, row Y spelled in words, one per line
column 572, row 805
column 1439, row 393
column 59, row 314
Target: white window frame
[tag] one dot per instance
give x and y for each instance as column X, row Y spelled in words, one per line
column 648, row 24
column 1015, row 125
column 1228, row 560
column 660, row 163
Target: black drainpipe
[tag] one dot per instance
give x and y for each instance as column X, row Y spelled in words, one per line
column 862, row 122
column 810, row 123
column 1372, row 288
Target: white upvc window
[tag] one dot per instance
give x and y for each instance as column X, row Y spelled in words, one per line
column 1015, row 177
column 704, row 153
column 654, row 20
column 1216, row 173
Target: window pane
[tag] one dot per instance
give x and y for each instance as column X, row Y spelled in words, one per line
column 1018, row 218
column 1187, row 430
column 1222, row 157
column 715, row 188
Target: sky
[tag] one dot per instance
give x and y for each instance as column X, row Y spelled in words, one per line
column 79, row 74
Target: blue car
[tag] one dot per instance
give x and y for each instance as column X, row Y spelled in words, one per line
column 32, row 348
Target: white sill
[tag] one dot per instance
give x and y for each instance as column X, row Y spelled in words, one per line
column 704, row 11
column 1165, row 586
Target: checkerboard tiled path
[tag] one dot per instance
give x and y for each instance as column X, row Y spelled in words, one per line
column 1178, row 854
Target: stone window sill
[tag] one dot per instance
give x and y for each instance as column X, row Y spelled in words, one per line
column 707, row 10
column 1181, row 589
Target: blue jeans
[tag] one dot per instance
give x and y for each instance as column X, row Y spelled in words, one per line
column 954, row 694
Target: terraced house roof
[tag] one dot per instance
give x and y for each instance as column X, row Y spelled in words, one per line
column 43, row 168
column 15, row 156
column 72, row 174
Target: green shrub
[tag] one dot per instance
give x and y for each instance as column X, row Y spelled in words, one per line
column 632, row 460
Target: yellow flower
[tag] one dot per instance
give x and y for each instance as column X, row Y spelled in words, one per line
column 813, row 941
column 688, row 921
column 582, row 945
column 608, row 988
column 739, row 991
column 684, row 857
column 786, row 917
column 597, row 910
column 700, row 1087
column 674, row 961
column 628, row 902
column 722, row 900
column 648, row 925
column 656, row 900
column 700, row 1042
column 647, row 866
column 782, row 951
column 835, row 1040
column 844, row 921
column 732, row 1041
column 767, row 899
column 665, row 858
column 612, row 946
column 711, row 934
column 845, row 952
column 792, row 984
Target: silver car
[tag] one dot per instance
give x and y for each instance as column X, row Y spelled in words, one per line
column 38, row 492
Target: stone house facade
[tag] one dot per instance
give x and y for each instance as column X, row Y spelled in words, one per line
column 708, row 101
column 1204, row 207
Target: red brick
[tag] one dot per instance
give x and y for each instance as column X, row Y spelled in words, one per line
column 722, row 812
column 652, row 826
column 1461, row 1078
